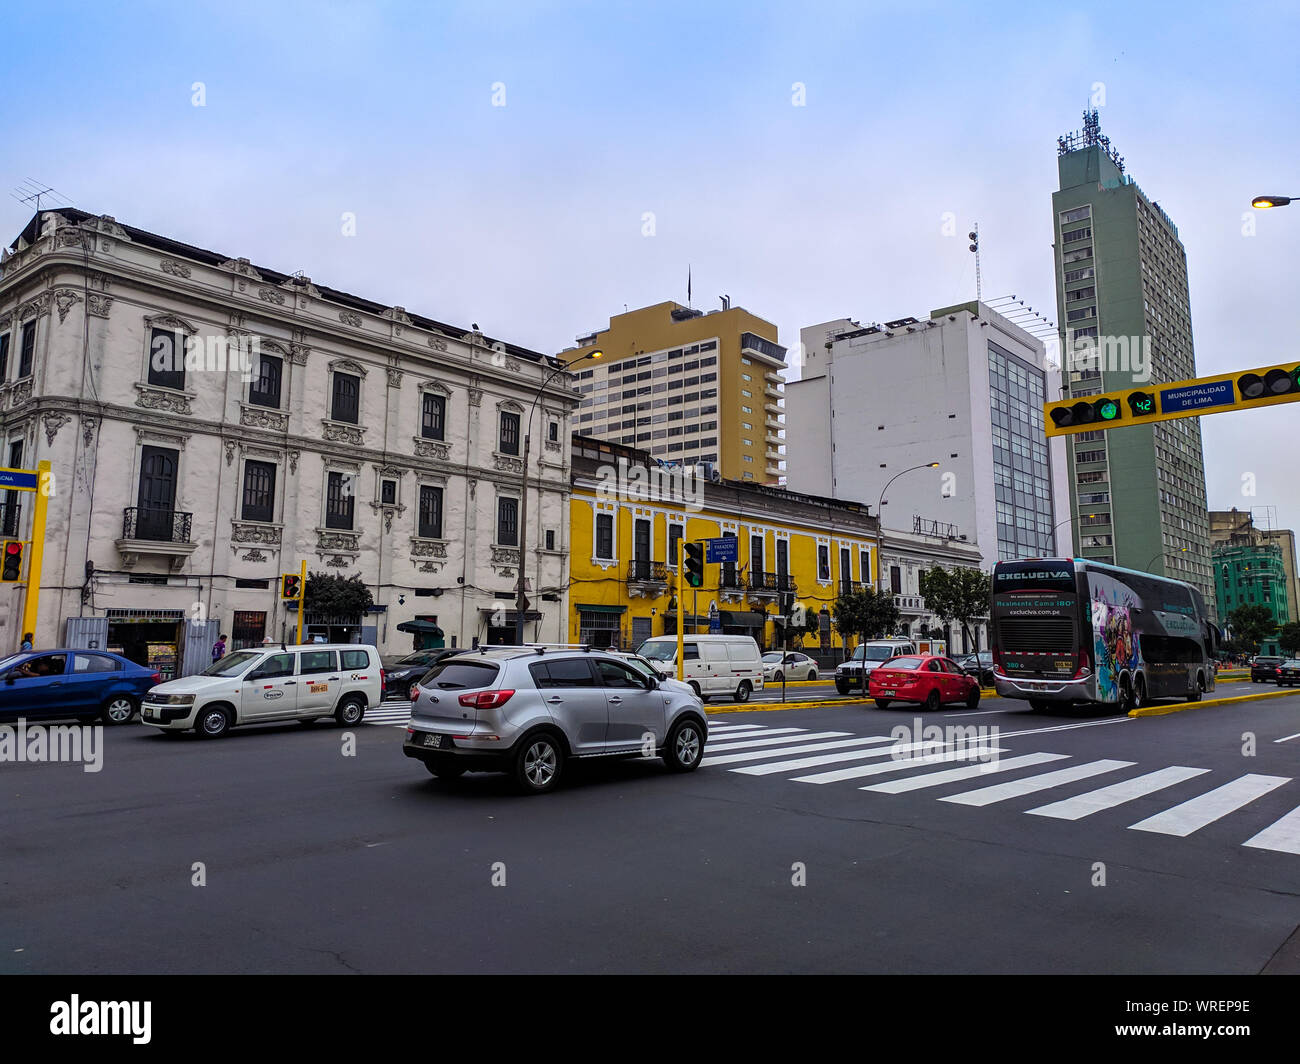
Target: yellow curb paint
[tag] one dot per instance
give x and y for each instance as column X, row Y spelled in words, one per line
column 1160, row 711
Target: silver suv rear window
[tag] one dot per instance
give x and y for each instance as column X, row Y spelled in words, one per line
column 456, row 674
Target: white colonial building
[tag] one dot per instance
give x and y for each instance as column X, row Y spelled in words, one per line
column 301, row 423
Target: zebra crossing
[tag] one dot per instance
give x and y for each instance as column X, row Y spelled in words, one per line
column 880, row 765
column 389, row 714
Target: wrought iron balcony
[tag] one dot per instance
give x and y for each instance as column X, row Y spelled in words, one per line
column 729, row 579
column 851, row 587
column 158, row 526
column 762, row 583
column 644, row 571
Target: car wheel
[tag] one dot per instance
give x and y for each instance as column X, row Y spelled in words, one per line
column 538, row 764
column 742, row 692
column 350, row 712
column 778, row 677
column 213, row 722
column 931, row 703
column 986, row 680
column 119, row 709
column 684, row 748
column 445, row 772
column 841, row 689
column 973, row 699
column 812, row 675
column 882, row 703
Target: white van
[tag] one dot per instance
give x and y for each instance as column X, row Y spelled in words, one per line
column 713, row 664
column 270, row 683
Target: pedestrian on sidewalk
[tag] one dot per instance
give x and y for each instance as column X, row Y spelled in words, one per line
column 219, row 649
column 27, row 641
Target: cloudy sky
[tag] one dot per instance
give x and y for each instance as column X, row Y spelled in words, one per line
column 534, row 167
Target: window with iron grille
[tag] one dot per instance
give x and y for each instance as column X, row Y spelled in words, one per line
column 259, row 491
column 430, row 512
column 509, row 442
column 4, row 357
column 166, row 359
column 823, row 563
column 265, row 387
column 433, row 417
column 27, row 352
column 339, row 500
column 508, row 521
column 347, row 399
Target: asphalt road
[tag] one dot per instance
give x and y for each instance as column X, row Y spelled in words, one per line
column 315, row 862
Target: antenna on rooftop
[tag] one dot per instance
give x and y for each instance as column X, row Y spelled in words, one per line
column 974, row 235
column 31, row 192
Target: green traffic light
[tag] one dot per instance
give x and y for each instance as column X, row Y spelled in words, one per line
column 1108, row 410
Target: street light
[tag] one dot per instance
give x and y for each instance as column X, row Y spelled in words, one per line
column 1271, row 201
column 1052, row 534
column 1147, row 567
column 880, row 528
column 521, row 600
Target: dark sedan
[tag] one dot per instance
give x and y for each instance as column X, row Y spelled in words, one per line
column 980, row 666
column 1264, row 669
column 86, row 684
column 1288, row 673
column 400, row 674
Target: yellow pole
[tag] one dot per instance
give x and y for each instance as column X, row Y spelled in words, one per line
column 302, row 597
column 44, row 484
column 681, row 607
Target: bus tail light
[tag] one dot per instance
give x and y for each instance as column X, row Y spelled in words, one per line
column 1085, row 666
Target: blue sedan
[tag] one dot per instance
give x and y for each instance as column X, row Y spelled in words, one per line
column 86, row 684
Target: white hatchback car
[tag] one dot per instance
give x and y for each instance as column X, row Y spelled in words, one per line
column 272, row 683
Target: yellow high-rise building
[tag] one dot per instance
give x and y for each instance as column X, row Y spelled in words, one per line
column 688, row 387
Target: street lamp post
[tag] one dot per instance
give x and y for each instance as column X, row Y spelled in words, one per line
column 1262, row 202
column 1068, row 520
column 521, row 599
column 1147, row 567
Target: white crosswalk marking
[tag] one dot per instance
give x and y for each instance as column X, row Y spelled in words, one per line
column 758, row 755
column 1195, row 813
column 744, row 741
column 952, row 775
column 1000, row 792
column 721, row 729
column 1116, row 794
column 761, row 734
column 900, row 764
column 830, row 759
column 1283, row 836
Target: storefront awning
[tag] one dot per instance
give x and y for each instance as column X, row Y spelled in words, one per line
column 511, row 616
column 588, row 608
column 742, row 618
column 421, row 628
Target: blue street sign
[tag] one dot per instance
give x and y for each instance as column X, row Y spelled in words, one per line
column 19, row 479
column 726, row 549
column 715, row 620
column 1195, row 396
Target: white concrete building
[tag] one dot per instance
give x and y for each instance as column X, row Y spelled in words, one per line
column 964, row 388
column 365, row 440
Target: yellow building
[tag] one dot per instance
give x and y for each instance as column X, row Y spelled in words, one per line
column 688, row 387
column 628, row 516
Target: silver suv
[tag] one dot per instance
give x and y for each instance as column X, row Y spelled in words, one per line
column 528, row 710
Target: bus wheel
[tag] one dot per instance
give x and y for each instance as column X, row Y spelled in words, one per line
column 1125, row 695
column 1198, row 689
column 1140, row 699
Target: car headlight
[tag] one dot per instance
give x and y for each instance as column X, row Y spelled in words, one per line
column 180, row 700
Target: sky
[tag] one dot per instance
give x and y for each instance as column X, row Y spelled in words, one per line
column 537, row 167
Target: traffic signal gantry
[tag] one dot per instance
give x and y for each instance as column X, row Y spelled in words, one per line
column 1266, row 386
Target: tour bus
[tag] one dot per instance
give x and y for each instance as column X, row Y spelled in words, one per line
column 1068, row 630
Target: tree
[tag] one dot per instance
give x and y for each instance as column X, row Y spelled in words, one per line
column 957, row 596
column 1288, row 638
column 1252, row 624
column 336, row 596
column 868, row 614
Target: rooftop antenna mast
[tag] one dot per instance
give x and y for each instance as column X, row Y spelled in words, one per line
column 31, row 192
column 974, row 235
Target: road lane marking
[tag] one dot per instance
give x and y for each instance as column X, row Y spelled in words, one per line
column 855, row 772
column 952, row 775
column 930, row 746
column 758, row 755
column 1196, row 813
column 742, row 744
column 1283, row 836
column 1000, row 792
column 1116, row 794
column 1288, row 738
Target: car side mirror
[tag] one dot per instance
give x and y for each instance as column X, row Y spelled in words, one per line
column 651, row 682
column 9, row 678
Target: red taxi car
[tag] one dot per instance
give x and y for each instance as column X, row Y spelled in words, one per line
column 926, row 678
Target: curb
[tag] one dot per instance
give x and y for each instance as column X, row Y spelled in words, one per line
column 1160, row 711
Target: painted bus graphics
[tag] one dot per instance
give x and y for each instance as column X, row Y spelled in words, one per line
column 1070, row 630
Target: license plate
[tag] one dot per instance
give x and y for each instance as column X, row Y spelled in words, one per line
column 433, row 740
column 891, row 692
column 147, row 712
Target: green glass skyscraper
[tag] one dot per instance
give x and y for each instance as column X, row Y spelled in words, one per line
column 1137, row 494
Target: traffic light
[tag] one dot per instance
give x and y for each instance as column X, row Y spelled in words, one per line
column 1085, row 412
column 291, row 586
column 1142, row 404
column 1270, row 384
column 12, row 568
column 694, row 564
